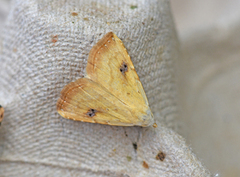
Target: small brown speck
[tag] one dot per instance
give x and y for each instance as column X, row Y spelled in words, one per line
column 55, row 38
column 129, row 158
column 161, row 156
column 108, row 23
column 143, row 23
column 155, row 125
column 14, row 50
column 74, row 14
column 145, row 165
column 133, row 7
column 86, row 19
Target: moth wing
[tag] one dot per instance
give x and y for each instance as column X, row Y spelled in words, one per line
column 87, row 101
column 106, row 59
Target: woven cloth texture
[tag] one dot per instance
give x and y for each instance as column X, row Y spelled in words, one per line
column 45, row 45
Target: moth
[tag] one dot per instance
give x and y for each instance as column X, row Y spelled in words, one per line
column 1, row 114
column 110, row 93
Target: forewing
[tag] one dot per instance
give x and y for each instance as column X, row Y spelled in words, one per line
column 87, row 101
column 110, row 65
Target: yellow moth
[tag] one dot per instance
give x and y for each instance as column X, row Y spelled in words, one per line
column 110, row 93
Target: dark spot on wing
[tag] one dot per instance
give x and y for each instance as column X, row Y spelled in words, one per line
column 91, row 112
column 124, row 68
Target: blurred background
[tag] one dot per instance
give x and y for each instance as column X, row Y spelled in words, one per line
column 208, row 76
column 209, row 81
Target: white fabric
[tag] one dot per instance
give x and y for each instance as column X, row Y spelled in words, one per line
column 44, row 47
